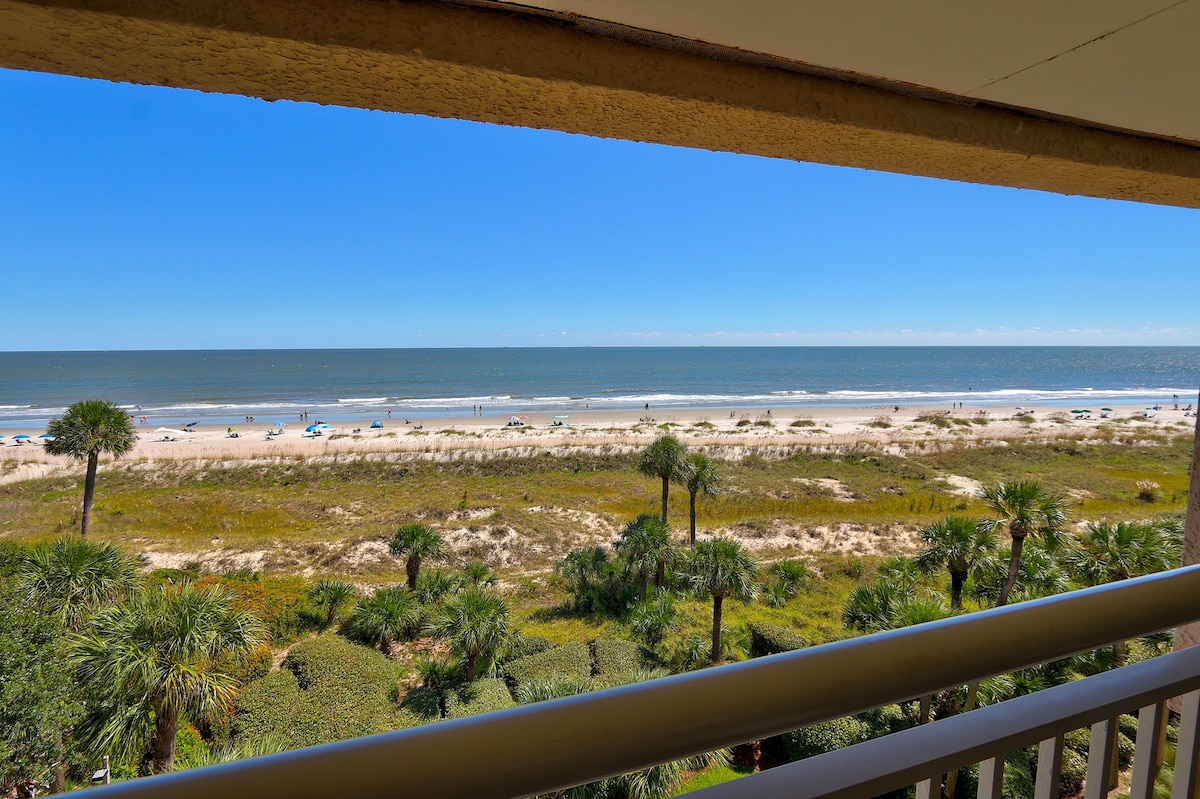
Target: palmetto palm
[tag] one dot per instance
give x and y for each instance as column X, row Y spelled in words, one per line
column 665, row 459
column 330, row 596
column 652, row 619
column 416, row 542
column 700, row 477
column 1107, row 553
column 475, row 624
column 721, row 567
column 583, row 570
column 957, row 543
column 645, row 546
column 386, row 616
column 1024, row 508
column 87, row 429
column 157, row 653
column 73, row 577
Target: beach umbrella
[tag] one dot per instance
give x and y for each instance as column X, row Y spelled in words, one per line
column 376, row 424
column 1107, row 409
column 46, row 436
column 322, row 426
column 172, row 431
column 281, row 424
column 1, row 436
column 21, row 437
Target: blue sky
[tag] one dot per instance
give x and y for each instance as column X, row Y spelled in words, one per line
column 148, row 218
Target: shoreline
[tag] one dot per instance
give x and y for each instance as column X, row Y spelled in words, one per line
column 875, row 425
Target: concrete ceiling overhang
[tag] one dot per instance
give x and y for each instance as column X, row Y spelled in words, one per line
column 1018, row 93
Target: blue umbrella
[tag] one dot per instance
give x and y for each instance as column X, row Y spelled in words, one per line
column 310, row 428
column 376, row 424
column 281, row 424
column 46, row 436
column 21, row 437
column 322, row 426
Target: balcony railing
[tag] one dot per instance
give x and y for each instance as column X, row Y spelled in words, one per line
column 551, row 745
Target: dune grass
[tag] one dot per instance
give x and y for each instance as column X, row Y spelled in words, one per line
column 318, row 503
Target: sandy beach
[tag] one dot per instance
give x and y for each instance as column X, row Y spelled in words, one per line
column 722, row 431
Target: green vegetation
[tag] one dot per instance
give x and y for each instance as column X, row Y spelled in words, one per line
column 85, row 431
column 565, row 607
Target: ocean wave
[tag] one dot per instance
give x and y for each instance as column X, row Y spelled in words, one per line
column 364, row 400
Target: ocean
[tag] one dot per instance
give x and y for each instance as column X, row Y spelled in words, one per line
column 224, row 386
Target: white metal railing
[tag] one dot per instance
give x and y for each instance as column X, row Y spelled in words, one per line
column 551, row 745
column 922, row 755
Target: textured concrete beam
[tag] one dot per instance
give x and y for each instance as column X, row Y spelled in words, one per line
column 446, row 60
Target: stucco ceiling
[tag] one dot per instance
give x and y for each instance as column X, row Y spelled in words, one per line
column 1127, row 64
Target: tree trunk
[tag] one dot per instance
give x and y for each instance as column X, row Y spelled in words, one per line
column 166, row 725
column 956, row 586
column 692, row 518
column 716, row 631
column 660, row 574
column 643, row 584
column 666, row 487
column 413, row 567
column 1014, row 566
column 89, row 491
column 472, row 667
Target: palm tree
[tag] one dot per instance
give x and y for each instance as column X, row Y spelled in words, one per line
column 87, row 429
column 72, row 577
column 475, row 624
column 645, row 546
column 958, row 543
column 330, row 596
column 479, row 573
column 701, row 477
column 721, row 567
column 384, row 617
column 1107, row 553
column 665, row 459
column 1025, row 508
column 583, row 570
column 416, row 542
column 652, row 619
column 158, row 653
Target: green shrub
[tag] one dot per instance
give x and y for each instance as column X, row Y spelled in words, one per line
column 572, row 661
column 422, row 705
column 481, row 696
column 525, row 645
column 803, row 423
column 615, row 657
column 770, row 639
column 825, row 737
column 328, row 689
column 190, row 749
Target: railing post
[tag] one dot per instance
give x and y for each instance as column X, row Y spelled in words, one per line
column 1187, row 751
column 1049, row 768
column 991, row 778
column 1150, row 746
column 1099, row 763
column 925, row 789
